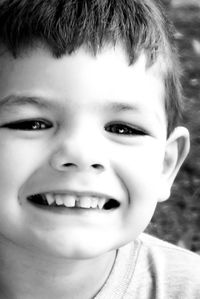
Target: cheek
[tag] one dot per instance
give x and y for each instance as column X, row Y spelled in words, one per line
column 140, row 171
column 140, row 167
column 17, row 161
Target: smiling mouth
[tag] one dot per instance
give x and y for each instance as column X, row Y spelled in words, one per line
column 73, row 201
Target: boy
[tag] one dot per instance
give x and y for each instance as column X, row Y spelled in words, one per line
column 89, row 143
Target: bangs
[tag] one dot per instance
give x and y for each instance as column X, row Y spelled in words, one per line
column 66, row 25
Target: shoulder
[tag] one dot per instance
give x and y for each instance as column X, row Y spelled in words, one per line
column 150, row 268
column 171, row 255
column 166, row 249
column 173, row 270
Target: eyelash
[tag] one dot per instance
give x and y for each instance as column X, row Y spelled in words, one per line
column 40, row 124
column 29, row 125
column 123, row 129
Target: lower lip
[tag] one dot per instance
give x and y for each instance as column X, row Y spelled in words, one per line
column 69, row 211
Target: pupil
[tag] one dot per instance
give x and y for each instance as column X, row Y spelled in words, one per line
column 37, row 125
column 121, row 130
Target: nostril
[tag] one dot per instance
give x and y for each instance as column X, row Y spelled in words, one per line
column 69, row 165
column 97, row 166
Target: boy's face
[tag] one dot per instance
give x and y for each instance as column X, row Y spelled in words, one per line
column 73, row 128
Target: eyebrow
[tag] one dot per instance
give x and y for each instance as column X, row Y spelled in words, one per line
column 15, row 100
column 119, row 107
column 123, row 107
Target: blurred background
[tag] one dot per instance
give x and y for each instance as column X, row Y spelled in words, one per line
column 178, row 219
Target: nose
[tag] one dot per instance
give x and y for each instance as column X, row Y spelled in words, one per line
column 78, row 154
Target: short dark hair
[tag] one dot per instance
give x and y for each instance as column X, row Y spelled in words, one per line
column 66, row 25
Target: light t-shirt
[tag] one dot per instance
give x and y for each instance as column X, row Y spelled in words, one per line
column 149, row 268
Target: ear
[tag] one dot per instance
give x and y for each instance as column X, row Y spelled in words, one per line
column 177, row 148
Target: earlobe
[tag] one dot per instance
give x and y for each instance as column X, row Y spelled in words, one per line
column 177, row 148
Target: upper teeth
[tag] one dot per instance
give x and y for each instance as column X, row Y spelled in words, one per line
column 69, row 200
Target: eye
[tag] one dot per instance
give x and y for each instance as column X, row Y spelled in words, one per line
column 124, row 129
column 29, row 125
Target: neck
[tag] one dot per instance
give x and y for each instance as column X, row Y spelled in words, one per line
column 26, row 275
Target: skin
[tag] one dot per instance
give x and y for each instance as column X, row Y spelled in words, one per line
column 85, row 105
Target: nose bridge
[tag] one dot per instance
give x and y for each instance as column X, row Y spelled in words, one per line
column 81, row 148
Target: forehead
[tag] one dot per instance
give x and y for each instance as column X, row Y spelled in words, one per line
column 81, row 76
